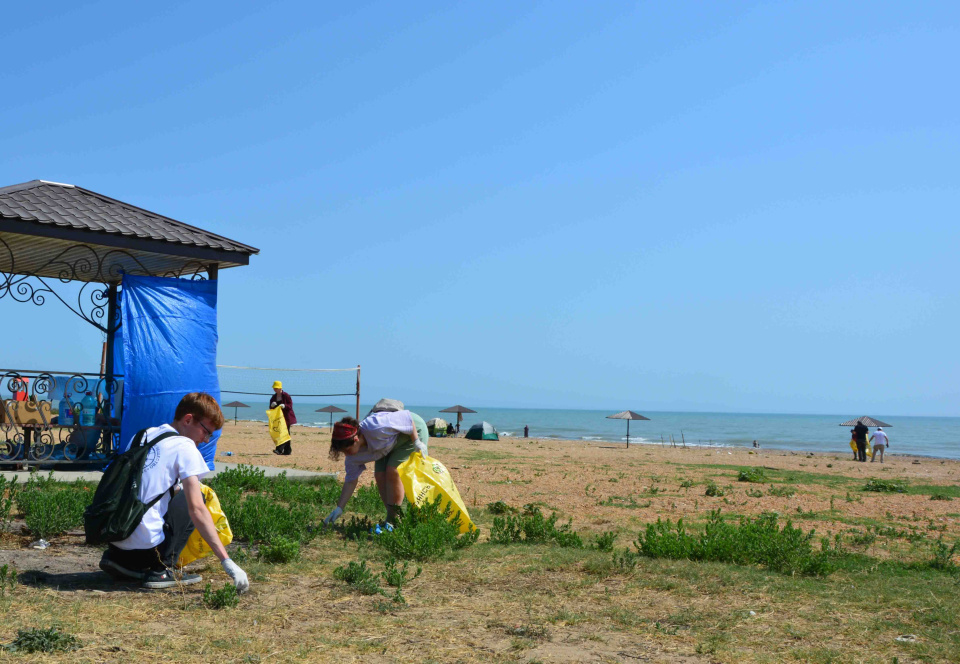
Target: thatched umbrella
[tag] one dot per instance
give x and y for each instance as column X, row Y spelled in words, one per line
column 866, row 421
column 627, row 415
column 459, row 410
column 235, row 405
column 331, row 410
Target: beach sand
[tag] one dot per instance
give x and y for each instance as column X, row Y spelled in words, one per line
column 600, row 484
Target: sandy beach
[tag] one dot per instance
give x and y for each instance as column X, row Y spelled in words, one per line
column 592, row 483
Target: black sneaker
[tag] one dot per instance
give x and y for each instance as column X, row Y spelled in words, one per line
column 169, row 579
column 117, row 571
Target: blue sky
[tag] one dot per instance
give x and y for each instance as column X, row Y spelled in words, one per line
column 662, row 206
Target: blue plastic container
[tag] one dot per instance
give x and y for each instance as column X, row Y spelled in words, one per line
column 88, row 417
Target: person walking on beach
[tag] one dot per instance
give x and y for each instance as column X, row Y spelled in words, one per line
column 282, row 399
column 526, row 431
column 860, row 432
column 853, row 443
column 880, row 442
column 387, row 439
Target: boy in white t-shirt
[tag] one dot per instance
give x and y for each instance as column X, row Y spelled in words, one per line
column 150, row 554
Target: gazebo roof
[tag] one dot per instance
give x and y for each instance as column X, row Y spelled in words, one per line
column 48, row 225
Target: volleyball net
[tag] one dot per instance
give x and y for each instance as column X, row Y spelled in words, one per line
column 314, row 385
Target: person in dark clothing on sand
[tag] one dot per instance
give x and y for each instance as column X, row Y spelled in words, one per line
column 860, row 432
column 282, row 399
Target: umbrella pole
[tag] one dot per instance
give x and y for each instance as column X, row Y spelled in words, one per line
column 235, row 409
column 628, row 434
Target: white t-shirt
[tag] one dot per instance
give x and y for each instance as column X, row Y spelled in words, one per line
column 380, row 430
column 171, row 461
column 879, row 437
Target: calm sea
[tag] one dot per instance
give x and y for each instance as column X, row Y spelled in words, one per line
column 925, row 436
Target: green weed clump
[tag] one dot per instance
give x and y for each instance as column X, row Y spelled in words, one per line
column 426, row 533
column 8, row 579
column 714, row 491
column 940, row 496
column 225, row 597
column 359, row 577
column 760, row 541
column 786, row 491
column 500, row 507
column 686, row 484
column 280, row 550
column 943, row 556
column 885, row 486
column 533, row 528
column 52, row 508
column 605, row 541
column 755, row 475
column 8, row 498
column 258, row 518
column 243, row 477
column 398, row 575
column 40, row 639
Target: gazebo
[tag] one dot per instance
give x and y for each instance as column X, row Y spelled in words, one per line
column 52, row 234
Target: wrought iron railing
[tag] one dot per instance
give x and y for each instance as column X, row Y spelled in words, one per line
column 32, row 428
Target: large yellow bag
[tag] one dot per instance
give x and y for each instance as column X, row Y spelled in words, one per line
column 196, row 547
column 278, row 426
column 424, row 479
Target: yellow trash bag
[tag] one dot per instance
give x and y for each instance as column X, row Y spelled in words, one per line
column 278, row 426
column 196, row 547
column 425, row 478
column 853, row 446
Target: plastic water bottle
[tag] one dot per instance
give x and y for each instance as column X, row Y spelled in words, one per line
column 66, row 411
column 88, row 416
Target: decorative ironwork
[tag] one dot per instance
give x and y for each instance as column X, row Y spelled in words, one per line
column 31, row 433
column 192, row 270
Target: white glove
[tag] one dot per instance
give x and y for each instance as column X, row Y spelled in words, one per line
column 280, row 405
column 334, row 515
column 238, row 576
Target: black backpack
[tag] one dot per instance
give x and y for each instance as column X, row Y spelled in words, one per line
column 117, row 510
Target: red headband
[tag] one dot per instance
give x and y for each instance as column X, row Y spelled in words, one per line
column 344, row 431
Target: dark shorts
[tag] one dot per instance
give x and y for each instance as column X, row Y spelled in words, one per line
column 400, row 453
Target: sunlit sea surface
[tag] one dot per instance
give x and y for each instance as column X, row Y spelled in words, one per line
column 925, row 436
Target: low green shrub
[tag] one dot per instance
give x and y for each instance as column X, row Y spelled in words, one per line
column 356, row 528
column 755, row 493
column 8, row 579
column 885, row 486
column 755, row 475
column 426, row 533
column 940, row 496
column 714, row 491
column 397, row 575
column 258, row 518
column 8, row 498
column 533, row 528
column 686, row 484
column 605, row 541
column 53, row 508
column 500, row 507
column 785, row 491
column 360, row 577
column 943, row 556
column 225, row 597
column 760, row 541
column 43, row 639
column 243, row 477
column 280, row 550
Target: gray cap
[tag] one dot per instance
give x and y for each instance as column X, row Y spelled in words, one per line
column 387, row 406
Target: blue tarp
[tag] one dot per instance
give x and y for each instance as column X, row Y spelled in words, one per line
column 169, row 350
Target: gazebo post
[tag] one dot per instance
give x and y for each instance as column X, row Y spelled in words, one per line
column 110, row 387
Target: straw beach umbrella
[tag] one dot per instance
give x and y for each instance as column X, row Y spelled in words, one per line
column 459, row 410
column 331, row 410
column 235, row 405
column 866, row 421
column 627, row 415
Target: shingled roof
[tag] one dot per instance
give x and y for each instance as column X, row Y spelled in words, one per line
column 41, row 217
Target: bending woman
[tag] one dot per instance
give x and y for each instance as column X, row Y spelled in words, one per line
column 387, row 439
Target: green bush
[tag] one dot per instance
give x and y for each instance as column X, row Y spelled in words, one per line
column 225, row 597
column 686, row 484
column 39, row 639
column 533, row 528
column 755, row 475
column 785, row 491
column 280, row 550
column 886, row 486
column 8, row 498
column 360, row 577
column 245, row 478
column 258, row 518
column 943, row 556
column 605, row 541
column 52, row 508
column 940, row 496
column 397, row 575
column 713, row 490
column 8, row 579
column 500, row 507
column 760, row 541
column 426, row 533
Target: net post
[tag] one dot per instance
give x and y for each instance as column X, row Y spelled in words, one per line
column 358, row 393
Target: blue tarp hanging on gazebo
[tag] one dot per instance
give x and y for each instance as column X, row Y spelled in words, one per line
column 169, row 349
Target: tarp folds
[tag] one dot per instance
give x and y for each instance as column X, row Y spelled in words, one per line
column 483, row 431
column 169, row 350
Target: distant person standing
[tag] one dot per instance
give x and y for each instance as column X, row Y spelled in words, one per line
column 526, row 431
column 880, row 443
column 283, row 400
column 860, row 432
column 450, row 429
